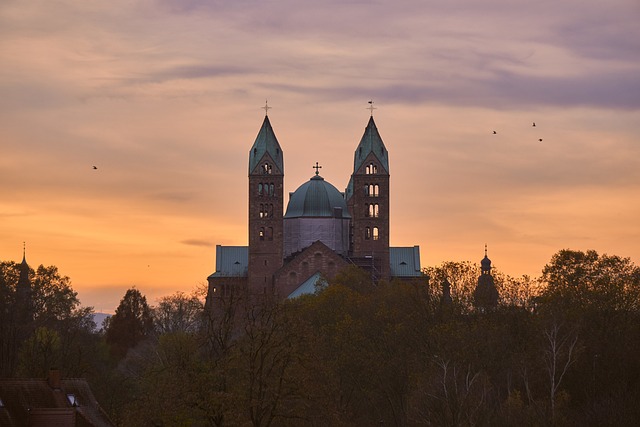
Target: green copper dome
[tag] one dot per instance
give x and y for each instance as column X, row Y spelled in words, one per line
column 317, row 198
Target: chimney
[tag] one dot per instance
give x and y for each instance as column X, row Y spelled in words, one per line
column 54, row 378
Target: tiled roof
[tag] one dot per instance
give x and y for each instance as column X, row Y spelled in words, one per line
column 405, row 261
column 231, row 261
column 25, row 400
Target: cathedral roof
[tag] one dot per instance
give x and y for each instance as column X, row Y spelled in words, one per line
column 266, row 143
column 405, row 261
column 371, row 142
column 231, row 261
column 316, row 198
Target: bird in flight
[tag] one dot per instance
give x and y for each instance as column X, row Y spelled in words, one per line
column 494, row 132
column 540, row 140
column 534, row 124
column 95, row 167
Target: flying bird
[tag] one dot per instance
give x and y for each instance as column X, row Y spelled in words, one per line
column 494, row 132
column 534, row 124
column 95, row 167
column 540, row 140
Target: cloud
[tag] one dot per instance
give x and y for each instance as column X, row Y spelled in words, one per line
column 197, row 242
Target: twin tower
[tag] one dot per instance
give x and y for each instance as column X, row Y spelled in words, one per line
column 321, row 231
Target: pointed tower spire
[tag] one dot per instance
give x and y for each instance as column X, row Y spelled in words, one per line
column 371, row 144
column 266, row 149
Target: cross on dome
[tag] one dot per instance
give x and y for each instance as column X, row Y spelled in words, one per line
column 317, row 168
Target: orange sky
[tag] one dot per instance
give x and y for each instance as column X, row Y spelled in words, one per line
column 164, row 98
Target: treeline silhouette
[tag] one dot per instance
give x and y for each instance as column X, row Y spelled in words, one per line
column 562, row 349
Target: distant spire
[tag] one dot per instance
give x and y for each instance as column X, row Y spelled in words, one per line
column 485, row 264
column 266, row 107
column 24, row 252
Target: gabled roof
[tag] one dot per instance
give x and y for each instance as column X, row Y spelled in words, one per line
column 266, row 144
column 36, row 400
column 405, row 262
column 309, row 286
column 371, row 143
column 231, row 261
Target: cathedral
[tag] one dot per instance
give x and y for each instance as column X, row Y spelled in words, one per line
column 292, row 251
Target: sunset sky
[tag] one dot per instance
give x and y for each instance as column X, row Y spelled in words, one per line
column 165, row 97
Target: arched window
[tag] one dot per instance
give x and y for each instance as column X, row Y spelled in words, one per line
column 367, row 210
column 372, row 210
column 371, row 169
column 271, row 210
column 261, row 233
column 376, row 233
column 260, row 189
column 261, row 210
column 367, row 233
column 372, row 190
column 271, row 189
column 266, row 169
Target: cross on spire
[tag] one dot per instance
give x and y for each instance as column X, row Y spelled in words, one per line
column 371, row 107
column 266, row 107
column 317, row 168
column 485, row 249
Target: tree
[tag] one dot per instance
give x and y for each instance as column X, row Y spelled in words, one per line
column 52, row 304
column 131, row 323
column 178, row 313
column 586, row 279
column 598, row 297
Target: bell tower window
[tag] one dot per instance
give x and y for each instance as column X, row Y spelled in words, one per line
column 372, row 190
column 367, row 233
column 372, row 210
column 376, row 233
column 267, row 169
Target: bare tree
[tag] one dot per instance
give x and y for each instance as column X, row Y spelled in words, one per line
column 559, row 355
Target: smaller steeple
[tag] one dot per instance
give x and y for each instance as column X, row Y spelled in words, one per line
column 24, row 292
column 485, row 264
column 485, row 295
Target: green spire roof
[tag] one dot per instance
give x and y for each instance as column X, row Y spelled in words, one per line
column 266, row 143
column 371, row 142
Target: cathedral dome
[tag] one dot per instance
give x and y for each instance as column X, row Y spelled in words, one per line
column 317, row 198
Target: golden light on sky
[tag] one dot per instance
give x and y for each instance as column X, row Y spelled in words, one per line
column 164, row 97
